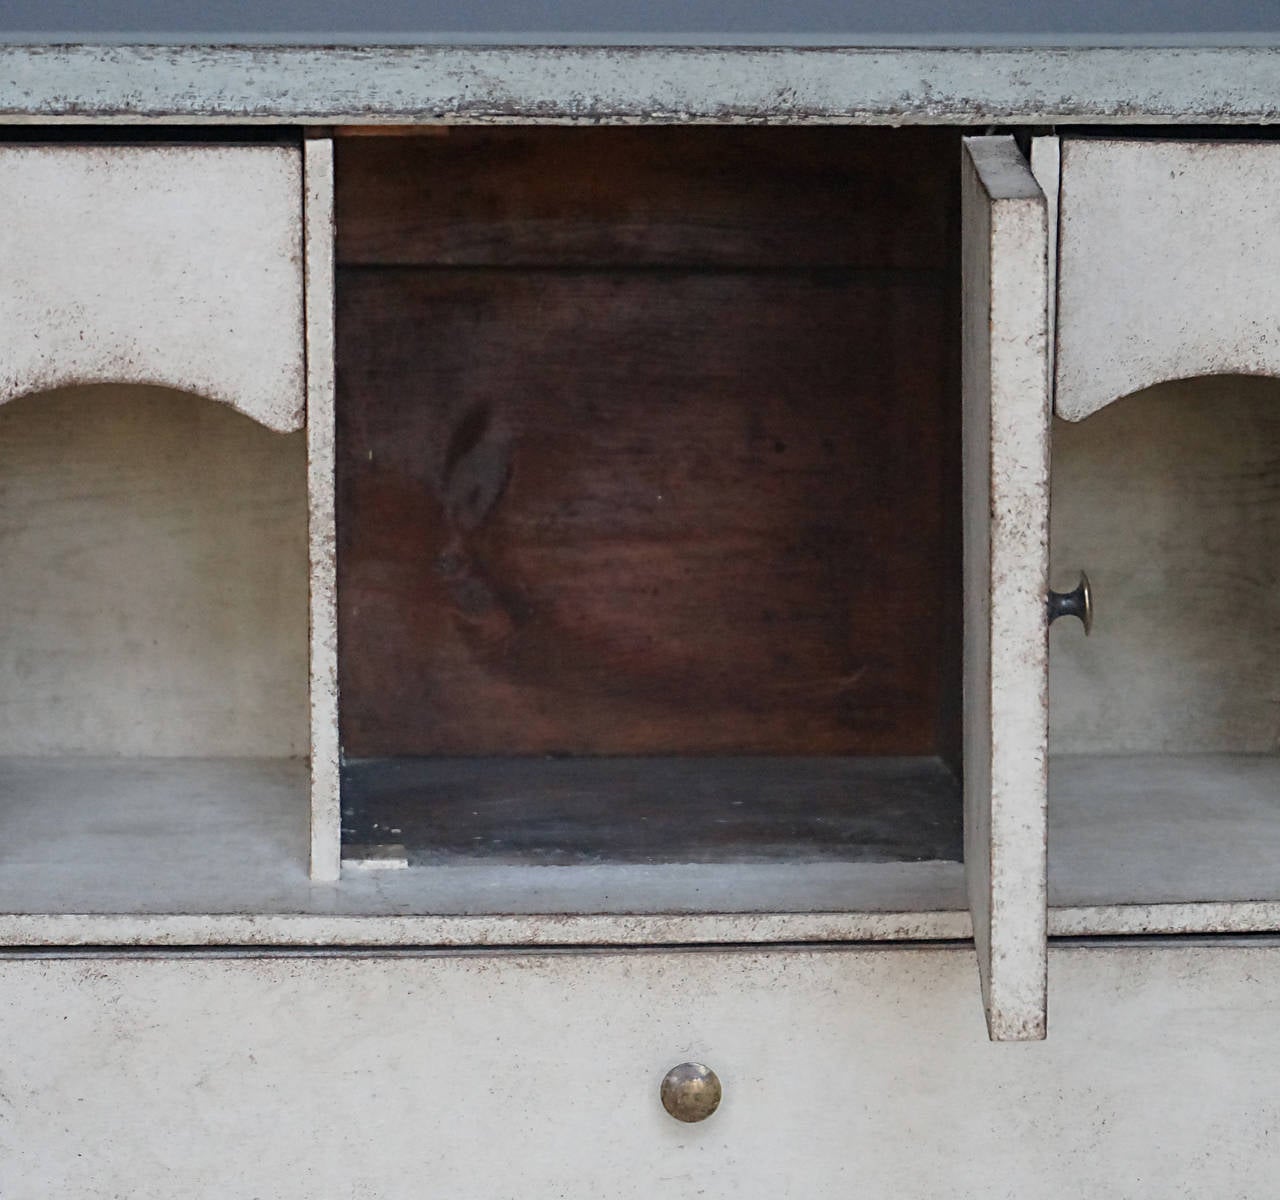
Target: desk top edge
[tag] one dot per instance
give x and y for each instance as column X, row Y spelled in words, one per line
column 327, row 85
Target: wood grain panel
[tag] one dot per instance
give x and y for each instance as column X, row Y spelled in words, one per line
column 621, row 512
column 871, row 198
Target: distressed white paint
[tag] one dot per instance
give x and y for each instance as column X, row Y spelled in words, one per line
column 1159, row 1078
column 1046, row 166
column 1006, row 414
column 551, row 927
column 177, row 266
column 1145, row 835
column 1169, row 256
column 153, row 568
column 335, row 85
column 1165, row 919
column 385, row 856
column 846, row 1072
column 1165, row 273
column 326, row 816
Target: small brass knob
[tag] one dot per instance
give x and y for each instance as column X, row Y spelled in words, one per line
column 691, row 1092
column 1076, row 603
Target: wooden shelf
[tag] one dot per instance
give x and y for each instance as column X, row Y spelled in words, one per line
column 213, row 852
column 1163, row 843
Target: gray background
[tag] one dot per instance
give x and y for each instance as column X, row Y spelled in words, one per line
column 671, row 22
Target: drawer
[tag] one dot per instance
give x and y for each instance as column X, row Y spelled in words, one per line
column 860, row 1072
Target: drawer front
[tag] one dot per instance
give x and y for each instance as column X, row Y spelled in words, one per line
column 845, row 1072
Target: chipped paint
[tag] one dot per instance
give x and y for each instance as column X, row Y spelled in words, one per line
column 1006, row 419
column 326, row 821
column 165, row 265
column 335, row 85
column 322, row 929
column 1165, row 271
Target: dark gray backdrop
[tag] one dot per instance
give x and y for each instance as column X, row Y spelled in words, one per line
column 797, row 22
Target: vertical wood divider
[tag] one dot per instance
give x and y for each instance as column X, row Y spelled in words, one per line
column 318, row 257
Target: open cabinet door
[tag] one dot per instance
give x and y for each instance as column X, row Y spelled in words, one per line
column 1006, row 508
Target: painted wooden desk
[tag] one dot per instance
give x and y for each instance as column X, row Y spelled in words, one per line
column 520, row 577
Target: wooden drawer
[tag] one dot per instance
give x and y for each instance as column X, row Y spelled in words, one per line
column 846, row 1072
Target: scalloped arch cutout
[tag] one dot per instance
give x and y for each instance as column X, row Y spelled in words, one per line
column 1084, row 408
column 1168, row 265
column 172, row 265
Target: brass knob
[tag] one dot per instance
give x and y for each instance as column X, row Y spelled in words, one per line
column 691, row 1092
column 1077, row 603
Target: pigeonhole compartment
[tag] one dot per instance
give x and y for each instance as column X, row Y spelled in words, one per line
column 649, row 507
column 153, row 524
column 1164, row 740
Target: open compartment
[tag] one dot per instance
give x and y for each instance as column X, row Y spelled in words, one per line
column 649, row 504
column 153, row 656
column 1165, row 744
column 153, row 526
column 1164, row 782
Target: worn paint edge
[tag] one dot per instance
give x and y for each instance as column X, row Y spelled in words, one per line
column 1119, row 920
column 1046, row 166
column 1107, row 920
column 976, row 431
column 1005, row 359
column 318, row 259
column 80, row 339
column 1019, row 574
column 110, row 929
column 1101, row 165
column 644, row 84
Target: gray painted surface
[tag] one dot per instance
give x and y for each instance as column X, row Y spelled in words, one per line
column 712, row 22
column 397, row 85
column 322, row 529
column 1164, row 829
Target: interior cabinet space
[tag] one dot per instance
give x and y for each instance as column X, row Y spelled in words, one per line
column 153, row 524
column 648, row 495
column 153, row 656
column 154, row 579
column 1164, row 776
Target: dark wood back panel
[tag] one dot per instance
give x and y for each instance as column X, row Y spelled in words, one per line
column 608, row 501
column 878, row 199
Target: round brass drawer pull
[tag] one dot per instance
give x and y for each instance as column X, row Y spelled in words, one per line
column 691, row 1092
